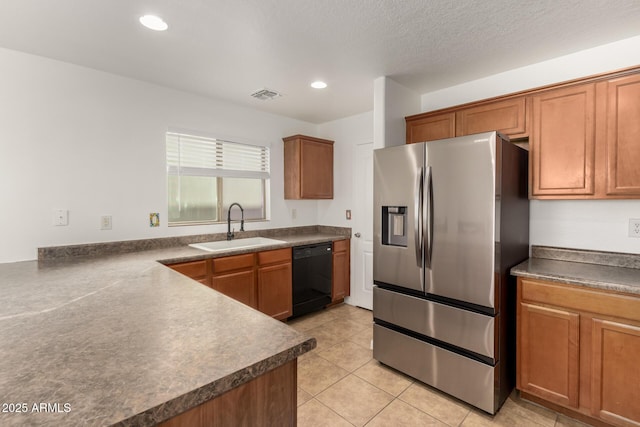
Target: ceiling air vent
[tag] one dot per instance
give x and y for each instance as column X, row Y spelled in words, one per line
column 265, row 94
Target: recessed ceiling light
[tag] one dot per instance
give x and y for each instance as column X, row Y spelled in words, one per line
column 318, row 85
column 153, row 22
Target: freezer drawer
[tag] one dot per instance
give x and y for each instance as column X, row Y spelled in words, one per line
column 464, row 378
column 462, row 328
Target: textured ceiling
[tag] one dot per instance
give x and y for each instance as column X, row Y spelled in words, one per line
column 229, row 49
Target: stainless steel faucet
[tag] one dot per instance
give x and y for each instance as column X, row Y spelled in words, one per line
column 231, row 235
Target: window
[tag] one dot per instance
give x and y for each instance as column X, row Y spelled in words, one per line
column 206, row 175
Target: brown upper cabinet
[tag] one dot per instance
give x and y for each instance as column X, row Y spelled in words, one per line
column 507, row 116
column 585, row 141
column 623, row 136
column 563, row 141
column 429, row 127
column 308, row 168
column 584, row 135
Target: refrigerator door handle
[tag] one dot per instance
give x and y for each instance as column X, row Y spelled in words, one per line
column 418, row 223
column 428, row 218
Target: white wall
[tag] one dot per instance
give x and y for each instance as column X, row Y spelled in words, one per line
column 609, row 57
column 392, row 102
column 584, row 224
column 93, row 143
column 347, row 134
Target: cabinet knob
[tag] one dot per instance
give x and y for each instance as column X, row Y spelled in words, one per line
column 357, row 235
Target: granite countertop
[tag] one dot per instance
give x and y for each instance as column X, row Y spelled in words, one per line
column 123, row 340
column 187, row 253
column 610, row 271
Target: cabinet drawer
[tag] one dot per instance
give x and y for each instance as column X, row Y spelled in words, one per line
column 466, row 329
column 235, row 262
column 194, row 269
column 340, row 245
column 437, row 367
column 277, row 255
column 582, row 299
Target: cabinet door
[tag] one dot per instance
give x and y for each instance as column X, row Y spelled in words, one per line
column 268, row 400
column 548, row 353
column 240, row 285
column 308, row 168
column 615, row 377
column 562, row 144
column 506, row 116
column 316, row 163
column 432, row 127
column 274, row 290
column 341, row 270
column 623, row 136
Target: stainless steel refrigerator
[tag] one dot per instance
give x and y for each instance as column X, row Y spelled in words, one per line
column 451, row 218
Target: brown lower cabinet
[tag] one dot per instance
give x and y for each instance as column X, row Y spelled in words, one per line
column 197, row 270
column 341, row 280
column 268, row 400
column 235, row 276
column 260, row 280
column 577, row 351
column 274, row 283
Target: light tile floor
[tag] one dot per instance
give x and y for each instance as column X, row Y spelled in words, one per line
column 340, row 384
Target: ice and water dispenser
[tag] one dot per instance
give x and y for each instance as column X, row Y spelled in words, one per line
column 394, row 226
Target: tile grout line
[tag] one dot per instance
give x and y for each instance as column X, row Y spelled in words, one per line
column 345, row 315
column 331, row 409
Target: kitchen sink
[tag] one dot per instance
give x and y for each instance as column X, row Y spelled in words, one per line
column 225, row 245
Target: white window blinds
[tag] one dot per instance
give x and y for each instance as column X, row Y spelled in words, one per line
column 189, row 155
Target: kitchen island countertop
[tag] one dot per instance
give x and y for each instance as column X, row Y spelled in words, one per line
column 123, row 340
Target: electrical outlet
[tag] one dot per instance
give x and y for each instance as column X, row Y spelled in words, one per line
column 60, row 217
column 294, row 213
column 105, row 222
column 634, row 227
column 154, row 219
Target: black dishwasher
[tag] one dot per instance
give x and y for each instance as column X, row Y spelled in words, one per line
column 312, row 271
